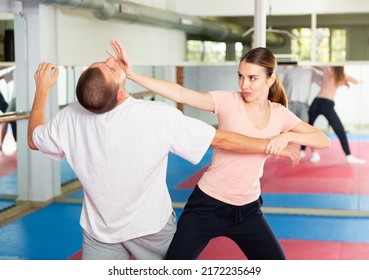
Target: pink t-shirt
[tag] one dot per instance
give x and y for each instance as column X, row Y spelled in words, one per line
column 232, row 177
column 329, row 86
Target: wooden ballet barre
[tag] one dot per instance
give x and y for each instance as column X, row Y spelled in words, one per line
column 16, row 116
column 13, row 116
column 142, row 94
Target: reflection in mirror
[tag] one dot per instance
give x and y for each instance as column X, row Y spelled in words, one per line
column 330, row 183
column 334, row 178
column 8, row 158
column 8, row 135
column 67, row 82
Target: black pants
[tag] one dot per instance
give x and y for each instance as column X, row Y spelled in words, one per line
column 204, row 218
column 325, row 107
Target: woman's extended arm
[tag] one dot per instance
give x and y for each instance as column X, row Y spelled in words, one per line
column 302, row 134
column 170, row 90
column 239, row 143
column 174, row 92
column 351, row 79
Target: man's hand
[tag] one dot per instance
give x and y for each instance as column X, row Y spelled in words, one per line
column 277, row 144
column 120, row 54
column 46, row 76
column 292, row 153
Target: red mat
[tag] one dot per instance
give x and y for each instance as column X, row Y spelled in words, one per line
column 331, row 175
column 8, row 163
column 222, row 248
column 8, row 156
column 192, row 181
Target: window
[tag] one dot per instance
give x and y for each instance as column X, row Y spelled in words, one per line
column 195, row 51
column 205, row 51
column 331, row 44
column 338, row 45
column 239, row 51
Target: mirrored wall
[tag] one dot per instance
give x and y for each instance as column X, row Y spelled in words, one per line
column 8, row 136
column 330, row 183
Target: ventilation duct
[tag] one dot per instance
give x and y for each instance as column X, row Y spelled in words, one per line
column 135, row 13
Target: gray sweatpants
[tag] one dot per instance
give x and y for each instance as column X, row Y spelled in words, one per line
column 149, row 247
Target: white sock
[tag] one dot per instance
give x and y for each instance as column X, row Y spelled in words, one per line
column 315, row 157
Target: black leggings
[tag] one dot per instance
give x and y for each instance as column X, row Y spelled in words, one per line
column 325, row 107
column 204, row 218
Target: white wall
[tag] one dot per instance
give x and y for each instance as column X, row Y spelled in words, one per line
column 352, row 103
column 209, row 78
column 83, row 39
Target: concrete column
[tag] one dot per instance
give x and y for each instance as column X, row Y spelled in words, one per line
column 230, row 51
column 38, row 175
column 313, row 38
column 260, row 24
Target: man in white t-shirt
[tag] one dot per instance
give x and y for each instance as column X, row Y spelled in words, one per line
column 118, row 147
column 298, row 82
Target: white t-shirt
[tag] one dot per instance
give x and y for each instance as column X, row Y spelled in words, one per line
column 297, row 83
column 121, row 158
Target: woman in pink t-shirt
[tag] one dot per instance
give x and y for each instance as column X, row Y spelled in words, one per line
column 332, row 78
column 227, row 200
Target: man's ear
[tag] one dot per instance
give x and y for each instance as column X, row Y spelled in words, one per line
column 120, row 96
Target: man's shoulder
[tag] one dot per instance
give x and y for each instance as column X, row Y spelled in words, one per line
column 73, row 110
column 153, row 105
column 73, row 107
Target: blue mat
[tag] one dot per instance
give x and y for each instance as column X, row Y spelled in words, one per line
column 5, row 204
column 179, row 169
column 66, row 172
column 78, row 194
column 9, row 184
column 321, row 228
column 323, row 201
column 350, row 136
column 52, row 233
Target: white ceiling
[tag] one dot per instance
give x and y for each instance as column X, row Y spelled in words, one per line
column 234, row 8
column 278, row 7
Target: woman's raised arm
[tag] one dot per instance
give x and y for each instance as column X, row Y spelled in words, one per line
column 170, row 90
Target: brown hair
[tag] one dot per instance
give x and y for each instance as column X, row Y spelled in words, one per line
column 265, row 58
column 339, row 75
column 94, row 93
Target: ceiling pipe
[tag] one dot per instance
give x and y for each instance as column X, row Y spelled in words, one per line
column 136, row 13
